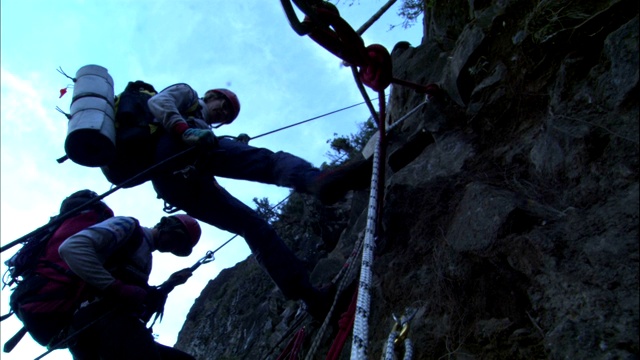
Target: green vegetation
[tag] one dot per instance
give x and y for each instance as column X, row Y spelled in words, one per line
column 410, row 10
column 345, row 148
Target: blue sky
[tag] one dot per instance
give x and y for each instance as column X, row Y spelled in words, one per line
column 246, row 46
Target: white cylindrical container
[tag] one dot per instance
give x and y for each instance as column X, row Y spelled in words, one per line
column 91, row 134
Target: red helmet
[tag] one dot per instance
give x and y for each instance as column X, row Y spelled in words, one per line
column 192, row 227
column 232, row 98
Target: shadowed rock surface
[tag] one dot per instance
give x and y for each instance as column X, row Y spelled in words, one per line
column 510, row 220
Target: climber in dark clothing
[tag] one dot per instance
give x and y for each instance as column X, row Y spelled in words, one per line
column 198, row 193
column 114, row 258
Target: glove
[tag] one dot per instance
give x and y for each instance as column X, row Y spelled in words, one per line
column 130, row 296
column 178, row 278
column 199, row 137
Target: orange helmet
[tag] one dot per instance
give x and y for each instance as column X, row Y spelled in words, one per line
column 232, row 98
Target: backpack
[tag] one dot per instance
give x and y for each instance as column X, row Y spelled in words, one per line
column 137, row 134
column 46, row 292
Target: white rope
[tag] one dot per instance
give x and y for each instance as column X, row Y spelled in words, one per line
column 390, row 348
column 389, row 353
column 360, row 341
column 361, row 326
column 408, row 349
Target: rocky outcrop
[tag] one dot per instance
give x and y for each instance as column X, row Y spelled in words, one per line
column 510, row 222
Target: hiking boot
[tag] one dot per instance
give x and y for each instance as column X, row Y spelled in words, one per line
column 319, row 304
column 333, row 184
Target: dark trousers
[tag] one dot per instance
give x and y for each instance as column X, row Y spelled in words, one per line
column 108, row 334
column 200, row 196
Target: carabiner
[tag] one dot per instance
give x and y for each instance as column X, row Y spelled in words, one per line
column 207, row 258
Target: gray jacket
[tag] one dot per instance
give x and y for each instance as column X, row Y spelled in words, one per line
column 172, row 104
column 87, row 251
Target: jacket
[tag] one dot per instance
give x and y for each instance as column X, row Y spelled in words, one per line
column 171, row 105
column 92, row 253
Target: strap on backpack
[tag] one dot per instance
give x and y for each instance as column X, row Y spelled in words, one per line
column 6, row 316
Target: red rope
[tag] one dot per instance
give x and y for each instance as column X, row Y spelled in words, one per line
column 292, row 349
column 345, row 324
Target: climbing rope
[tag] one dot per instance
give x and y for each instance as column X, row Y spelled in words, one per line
column 344, row 277
column 361, row 326
column 293, row 348
column 299, row 320
column 308, row 120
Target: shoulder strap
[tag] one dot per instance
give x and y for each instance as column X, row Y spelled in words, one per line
column 15, row 339
column 193, row 108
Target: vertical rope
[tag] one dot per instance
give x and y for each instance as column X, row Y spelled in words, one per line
column 389, row 353
column 408, row 349
column 361, row 326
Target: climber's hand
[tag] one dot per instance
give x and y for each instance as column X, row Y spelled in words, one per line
column 199, row 137
column 180, row 277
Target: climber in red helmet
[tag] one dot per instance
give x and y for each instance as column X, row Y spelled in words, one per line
column 113, row 258
column 197, row 193
column 223, row 105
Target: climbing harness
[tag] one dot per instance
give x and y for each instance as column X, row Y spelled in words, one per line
column 399, row 336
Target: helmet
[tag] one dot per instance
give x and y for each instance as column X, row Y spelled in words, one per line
column 232, row 98
column 192, row 227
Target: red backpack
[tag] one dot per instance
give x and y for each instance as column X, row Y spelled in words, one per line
column 47, row 291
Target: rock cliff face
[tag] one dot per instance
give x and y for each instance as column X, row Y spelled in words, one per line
column 510, row 221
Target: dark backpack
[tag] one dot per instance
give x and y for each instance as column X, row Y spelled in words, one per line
column 46, row 292
column 137, row 134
